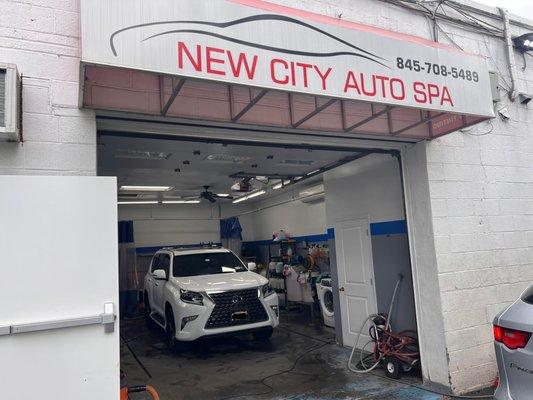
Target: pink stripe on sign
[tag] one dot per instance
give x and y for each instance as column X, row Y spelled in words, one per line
column 324, row 19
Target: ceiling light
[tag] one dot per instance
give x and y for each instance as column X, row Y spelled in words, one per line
column 181, row 201
column 137, row 202
column 223, row 194
column 313, row 172
column 281, row 184
column 227, row 158
column 296, row 163
column 146, row 155
column 249, row 196
column 146, row 188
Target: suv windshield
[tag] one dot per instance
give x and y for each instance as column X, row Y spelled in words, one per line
column 206, row 264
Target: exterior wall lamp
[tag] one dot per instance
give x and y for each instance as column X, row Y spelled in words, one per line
column 524, row 43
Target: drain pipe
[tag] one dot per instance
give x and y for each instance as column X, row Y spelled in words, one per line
column 510, row 52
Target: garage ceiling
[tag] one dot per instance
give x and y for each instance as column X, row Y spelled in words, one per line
column 187, row 166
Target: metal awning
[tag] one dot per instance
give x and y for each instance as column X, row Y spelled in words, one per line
column 118, row 89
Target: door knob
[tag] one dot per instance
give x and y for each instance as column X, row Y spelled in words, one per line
column 341, row 289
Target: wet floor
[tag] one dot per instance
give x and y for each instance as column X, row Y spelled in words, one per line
column 299, row 362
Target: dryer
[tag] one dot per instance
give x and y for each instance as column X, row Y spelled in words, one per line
column 325, row 296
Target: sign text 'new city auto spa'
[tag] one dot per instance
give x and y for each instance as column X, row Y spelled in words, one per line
column 246, row 66
column 256, row 43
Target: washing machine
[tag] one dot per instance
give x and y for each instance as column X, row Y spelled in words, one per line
column 325, row 296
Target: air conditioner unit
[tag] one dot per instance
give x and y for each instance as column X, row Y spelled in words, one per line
column 10, row 103
column 312, row 194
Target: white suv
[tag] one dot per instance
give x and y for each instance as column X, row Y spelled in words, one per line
column 197, row 292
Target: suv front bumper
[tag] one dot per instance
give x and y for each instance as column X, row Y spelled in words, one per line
column 195, row 329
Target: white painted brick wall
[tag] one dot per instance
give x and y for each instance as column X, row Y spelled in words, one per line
column 42, row 38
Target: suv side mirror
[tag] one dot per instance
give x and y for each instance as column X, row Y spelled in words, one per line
column 252, row 266
column 160, row 275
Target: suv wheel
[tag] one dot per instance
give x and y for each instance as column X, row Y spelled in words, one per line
column 173, row 344
column 263, row 335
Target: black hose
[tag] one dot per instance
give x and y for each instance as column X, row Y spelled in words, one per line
column 135, row 357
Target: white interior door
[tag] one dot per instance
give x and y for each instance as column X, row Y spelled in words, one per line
column 356, row 278
column 59, row 263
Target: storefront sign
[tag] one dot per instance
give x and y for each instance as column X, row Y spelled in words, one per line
column 260, row 44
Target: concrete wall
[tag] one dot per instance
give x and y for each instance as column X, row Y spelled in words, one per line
column 434, row 354
column 42, row 39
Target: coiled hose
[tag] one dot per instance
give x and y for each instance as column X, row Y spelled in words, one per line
column 372, row 318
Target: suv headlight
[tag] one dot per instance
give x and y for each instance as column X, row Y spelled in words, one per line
column 267, row 290
column 188, row 296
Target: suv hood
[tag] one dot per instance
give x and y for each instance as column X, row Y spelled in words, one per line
column 222, row 282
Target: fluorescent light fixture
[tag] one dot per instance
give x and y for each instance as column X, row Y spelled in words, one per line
column 249, row 196
column 141, row 154
column 296, row 163
column 223, row 194
column 146, row 188
column 313, row 172
column 281, row 184
column 138, row 202
column 227, row 158
column 181, row 201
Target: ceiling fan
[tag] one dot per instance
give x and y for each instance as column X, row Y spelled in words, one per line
column 212, row 196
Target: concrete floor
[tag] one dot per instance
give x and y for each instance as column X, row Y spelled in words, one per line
column 300, row 362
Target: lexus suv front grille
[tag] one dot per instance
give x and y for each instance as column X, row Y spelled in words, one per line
column 236, row 307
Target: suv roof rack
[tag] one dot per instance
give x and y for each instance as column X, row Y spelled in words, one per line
column 202, row 245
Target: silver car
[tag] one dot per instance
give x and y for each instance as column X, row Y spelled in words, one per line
column 514, row 349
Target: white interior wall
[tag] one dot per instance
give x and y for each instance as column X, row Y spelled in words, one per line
column 295, row 217
column 365, row 188
column 170, row 224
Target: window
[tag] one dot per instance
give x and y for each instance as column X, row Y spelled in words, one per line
column 155, row 263
column 206, row 264
column 164, row 263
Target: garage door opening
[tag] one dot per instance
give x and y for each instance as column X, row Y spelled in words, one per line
column 325, row 226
